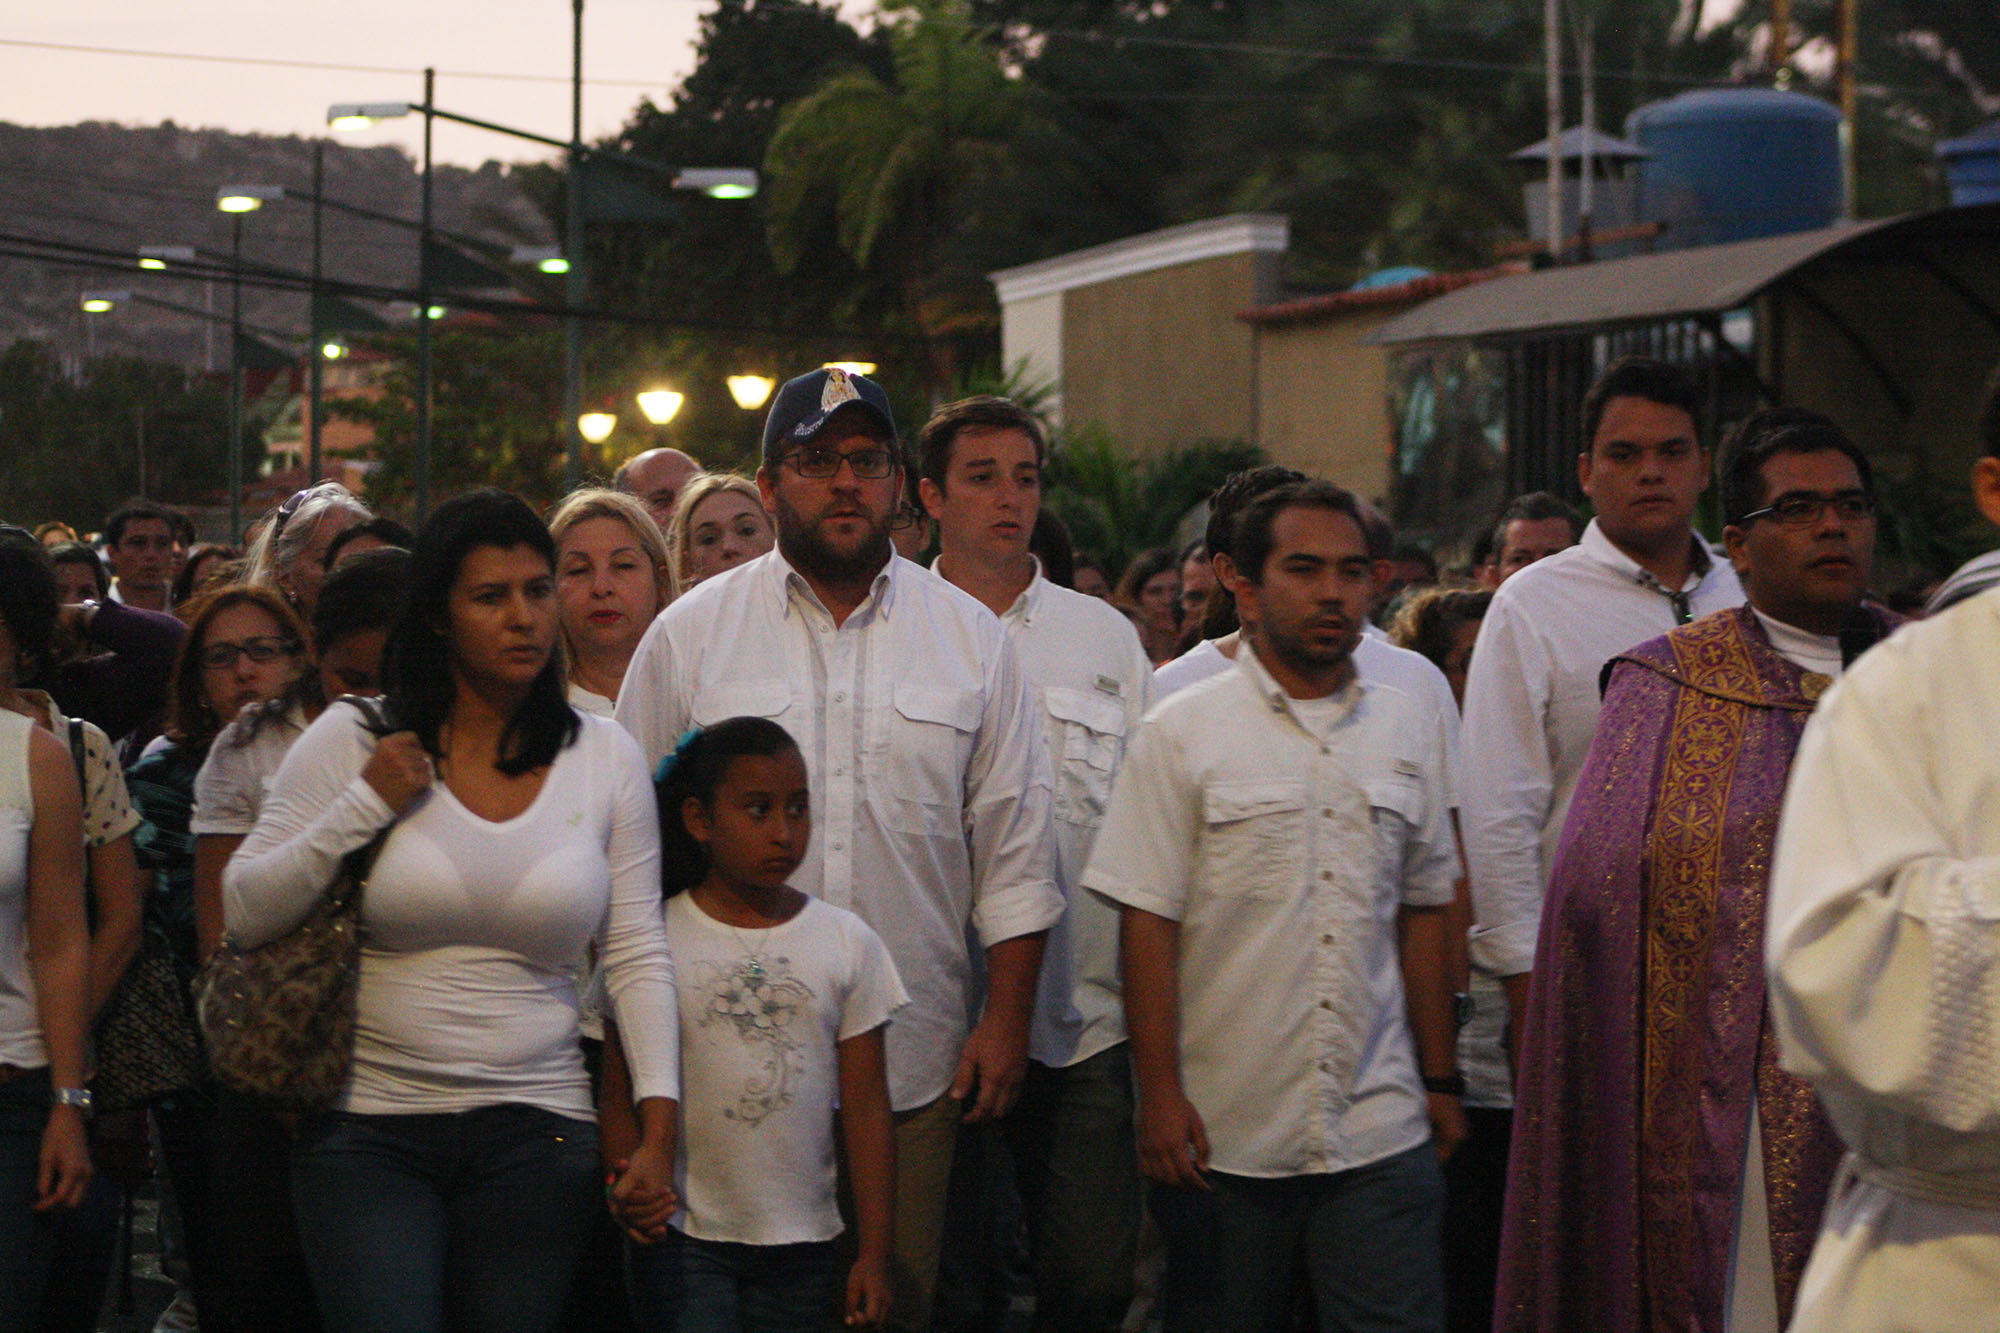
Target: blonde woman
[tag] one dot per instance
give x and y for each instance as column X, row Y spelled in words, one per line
column 611, row 580
column 718, row 524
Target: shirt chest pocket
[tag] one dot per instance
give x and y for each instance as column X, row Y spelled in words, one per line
column 926, row 742
column 1253, row 839
column 770, row 697
column 1087, row 739
column 1396, row 807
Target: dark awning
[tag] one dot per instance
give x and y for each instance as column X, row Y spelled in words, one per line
column 1702, row 281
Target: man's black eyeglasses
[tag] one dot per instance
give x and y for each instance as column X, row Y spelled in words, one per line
column 1796, row 511
column 819, row 463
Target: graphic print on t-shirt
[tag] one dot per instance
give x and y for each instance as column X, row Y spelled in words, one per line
column 761, row 1000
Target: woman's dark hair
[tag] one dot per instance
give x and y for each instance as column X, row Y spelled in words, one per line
column 80, row 553
column 28, row 600
column 190, row 721
column 191, row 581
column 416, row 663
column 367, row 591
column 382, row 528
column 1428, row 621
column 694, row 769
column 1145, row 567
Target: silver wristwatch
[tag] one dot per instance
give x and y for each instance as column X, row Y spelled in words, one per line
column 77, row 1097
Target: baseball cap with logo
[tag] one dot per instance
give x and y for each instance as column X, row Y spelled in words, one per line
column 802, row 407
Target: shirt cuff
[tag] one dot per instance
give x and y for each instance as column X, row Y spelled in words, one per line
column 1509, row 950
column 1019, row 910
column 1119, row 894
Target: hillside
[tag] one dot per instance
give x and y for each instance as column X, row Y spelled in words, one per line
column 121, row 187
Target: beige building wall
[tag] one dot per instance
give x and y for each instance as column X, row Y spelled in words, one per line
column 1031, row 338
column 1160, row 358
column 1323, row 399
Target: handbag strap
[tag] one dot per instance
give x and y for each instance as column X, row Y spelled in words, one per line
column 358, row 863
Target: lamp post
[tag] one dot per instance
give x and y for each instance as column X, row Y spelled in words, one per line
column 715, row 182
column 236, row 200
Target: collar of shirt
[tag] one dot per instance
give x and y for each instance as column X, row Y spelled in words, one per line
column 1252, row 665
column 791, row 588
column 1605, row 552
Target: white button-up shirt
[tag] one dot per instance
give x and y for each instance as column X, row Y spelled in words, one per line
column 1083, row 658
column 1531, row 704
column 1286, row 859
column 930, row 780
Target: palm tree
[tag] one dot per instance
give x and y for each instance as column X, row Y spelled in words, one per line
column 902, row 166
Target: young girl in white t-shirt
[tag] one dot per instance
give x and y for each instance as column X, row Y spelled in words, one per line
column 783, row 1001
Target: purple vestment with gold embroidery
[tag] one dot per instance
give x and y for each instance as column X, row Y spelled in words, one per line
column 1647, row 1034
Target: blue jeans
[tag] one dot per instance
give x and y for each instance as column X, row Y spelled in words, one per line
column 682, row 1284
column 1367, row 1239
column 473, row 1220
column 27, row 1238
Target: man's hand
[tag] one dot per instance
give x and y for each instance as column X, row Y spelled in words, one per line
column 1173, row 1143
column 1448, row 1127
column 991, row 1068
column 64, row 1171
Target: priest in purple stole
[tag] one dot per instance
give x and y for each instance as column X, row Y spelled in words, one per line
column 1648, row 1064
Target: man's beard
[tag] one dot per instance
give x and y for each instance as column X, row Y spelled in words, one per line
column 1301, row 654
column 811, row 554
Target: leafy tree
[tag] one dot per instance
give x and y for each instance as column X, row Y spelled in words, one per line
column 77, row 447
column 1116, row 505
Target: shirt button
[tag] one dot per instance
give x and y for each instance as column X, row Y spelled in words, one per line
column 840, row 698
column 839, row 770
column 1326, row 1004
column 1326, row 874
column 838, row 844
column 1326, row 939
column 1328, row 813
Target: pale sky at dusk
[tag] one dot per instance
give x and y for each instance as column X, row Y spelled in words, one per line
column 632, row 49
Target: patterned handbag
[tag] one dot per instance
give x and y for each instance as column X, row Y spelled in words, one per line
column 279, row 1018
column 145, row 1040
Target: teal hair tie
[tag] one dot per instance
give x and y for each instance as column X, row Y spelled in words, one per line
column 671, row 760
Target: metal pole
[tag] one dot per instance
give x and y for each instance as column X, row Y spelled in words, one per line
column 574, row 285
column 1586, row 63
column 1552, row 89
column 423, row 479
column 313, row 358
column 1844, row 77
column 235, row 376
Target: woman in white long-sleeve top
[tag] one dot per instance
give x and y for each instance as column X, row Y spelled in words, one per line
column 1884, row 958
column 454, row 1182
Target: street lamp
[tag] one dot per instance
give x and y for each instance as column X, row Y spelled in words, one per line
column 851, row 367
column 236, row 200
column 546, row 258
column 751, row 391
column 596, row 427
column 660, row 405
column 716, row 182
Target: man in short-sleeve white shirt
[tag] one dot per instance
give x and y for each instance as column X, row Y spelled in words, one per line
column 930, row 780
column 1533, row 693
column 1070, row 1134
column 1280, row 845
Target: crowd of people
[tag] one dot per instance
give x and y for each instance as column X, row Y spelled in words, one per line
column 826, row 897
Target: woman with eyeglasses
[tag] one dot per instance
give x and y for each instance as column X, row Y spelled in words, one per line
column 455, row 1180
column 243, row 648
column 265, row 685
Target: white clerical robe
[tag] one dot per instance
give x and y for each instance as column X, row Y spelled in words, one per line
column 1884, row 959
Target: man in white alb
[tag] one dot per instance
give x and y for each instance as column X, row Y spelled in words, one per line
column 1532, row 695
column 1070, row 1134
column 930, row 781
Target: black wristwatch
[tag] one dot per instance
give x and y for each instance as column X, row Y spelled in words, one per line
column 1461, row 1007
column 1451, row 1085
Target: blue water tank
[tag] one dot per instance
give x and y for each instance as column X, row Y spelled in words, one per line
column 1733, row 164
column 1972, row 166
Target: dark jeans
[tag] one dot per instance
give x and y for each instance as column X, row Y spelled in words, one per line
column 1369, row 1239
column 1475, row 1182
column 185, row 1128
column 27, row 1238
column 473, row 1220
column 258, row 1279
column 683, row 1284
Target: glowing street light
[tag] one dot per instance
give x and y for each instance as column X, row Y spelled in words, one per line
column 346, row 116
column 659, row 405
column 545, row 258
column 101, row 303
column 751, row 391
column 247, row 198
column 157, row 257
column 851, row 367
column 718, row 182
column 596, row 427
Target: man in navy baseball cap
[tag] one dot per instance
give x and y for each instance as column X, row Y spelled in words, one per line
column 801, row 409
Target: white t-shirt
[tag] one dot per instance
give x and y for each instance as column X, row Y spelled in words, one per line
column 20, row 1023
column 229, row 790
column 762, row 1015
column 589, row 701
column 473, row 929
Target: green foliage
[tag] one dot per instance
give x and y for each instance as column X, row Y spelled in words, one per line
column 73, row 448
column 1117, row 505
